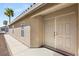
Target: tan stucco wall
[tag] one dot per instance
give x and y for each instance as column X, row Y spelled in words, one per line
column 36, row 35
column 36, row 31
column 17, row 34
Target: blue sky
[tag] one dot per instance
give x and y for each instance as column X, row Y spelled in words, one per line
column 17, row 7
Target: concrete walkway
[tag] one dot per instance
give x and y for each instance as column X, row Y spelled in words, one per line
column 18, row 49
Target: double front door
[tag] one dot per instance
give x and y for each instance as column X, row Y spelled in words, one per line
column 60, row 32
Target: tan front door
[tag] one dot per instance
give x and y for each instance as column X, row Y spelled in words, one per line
column 65, row 28
column 49, row 32
column 66, row 32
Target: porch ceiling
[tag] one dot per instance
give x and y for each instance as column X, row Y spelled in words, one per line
column 53, row 9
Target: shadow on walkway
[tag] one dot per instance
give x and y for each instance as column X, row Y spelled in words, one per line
column 3, row 46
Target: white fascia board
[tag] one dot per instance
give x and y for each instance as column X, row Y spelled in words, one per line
column 34, row 7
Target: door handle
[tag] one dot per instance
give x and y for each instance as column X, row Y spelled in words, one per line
column 54, row 34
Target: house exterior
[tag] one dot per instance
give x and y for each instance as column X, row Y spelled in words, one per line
column 54, row 26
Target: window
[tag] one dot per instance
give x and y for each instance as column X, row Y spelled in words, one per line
column 22, row 30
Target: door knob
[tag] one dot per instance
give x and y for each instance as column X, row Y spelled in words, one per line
column 54, row 33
